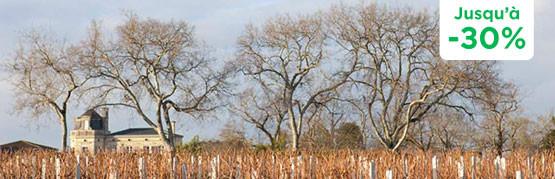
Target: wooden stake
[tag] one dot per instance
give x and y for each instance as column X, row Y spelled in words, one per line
column 473, row 167
column 389, row 174
column 43, row 169
column 406, row 168
column 519, row 175
column 434, row 167
column 213, row 168
column 373, row 173
column 292, row 167
column 78, row 169
column 58, row 169
column 34, row 164
column 174, row 167
column 460, row 168
column 142, row 174
column 199, row 167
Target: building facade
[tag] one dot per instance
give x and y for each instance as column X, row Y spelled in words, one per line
column 91, row 134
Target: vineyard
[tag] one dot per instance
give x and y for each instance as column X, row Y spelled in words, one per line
column 267, row 164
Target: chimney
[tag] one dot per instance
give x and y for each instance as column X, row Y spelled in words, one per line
column 105, row 118
column 173, row 127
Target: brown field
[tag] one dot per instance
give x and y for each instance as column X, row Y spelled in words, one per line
column 267, row 164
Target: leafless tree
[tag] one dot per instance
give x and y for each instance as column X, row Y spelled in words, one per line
column 443, row 129
column 334, row 114
column 499, row 102
column 317, row 136
column 422, row 135
column 290, row 56
column 453, row 131
column 233, row 136
column 525, row 137
column 154, row 68
column 540, row 129
column 325, row 123
column 265, row 111
column 402, row 75
column 46, row 75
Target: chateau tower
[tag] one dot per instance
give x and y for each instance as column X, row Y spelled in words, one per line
column 90, row 131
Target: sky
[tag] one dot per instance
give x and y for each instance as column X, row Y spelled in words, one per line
column 218, row 23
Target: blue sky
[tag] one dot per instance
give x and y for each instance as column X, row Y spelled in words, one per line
column 219, row 23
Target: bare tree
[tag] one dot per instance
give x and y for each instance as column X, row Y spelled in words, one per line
column 265, row 111
column 333, row 113
column 453, row 131
column 154, row 68
column 46, row 77
column 542, row 131
column 443, row 128
column 422, row 135
column 289, row 56
column 324, row 125
column 318, row 136
column 402, row 74
column 499, row 102
column 232, row 135
column 525, row 137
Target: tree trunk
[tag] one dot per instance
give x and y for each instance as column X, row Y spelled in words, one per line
column 62, row 117
column 167, row 145
column 160, row 128
column 500, row 136
column 169, row 125
column 332, row 134
column 499, row 144
column 292, row 121
column 294, row 135
column 63, row 124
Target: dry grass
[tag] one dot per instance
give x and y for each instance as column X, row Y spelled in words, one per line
column 267, row 164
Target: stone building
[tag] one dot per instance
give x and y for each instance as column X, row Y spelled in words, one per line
column 91, row 134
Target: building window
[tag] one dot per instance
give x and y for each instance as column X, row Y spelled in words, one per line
column 146, row 139
column 128, row 139
column 145, row 149
column 129, row 149
column 84, row 140
column 85, row 149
